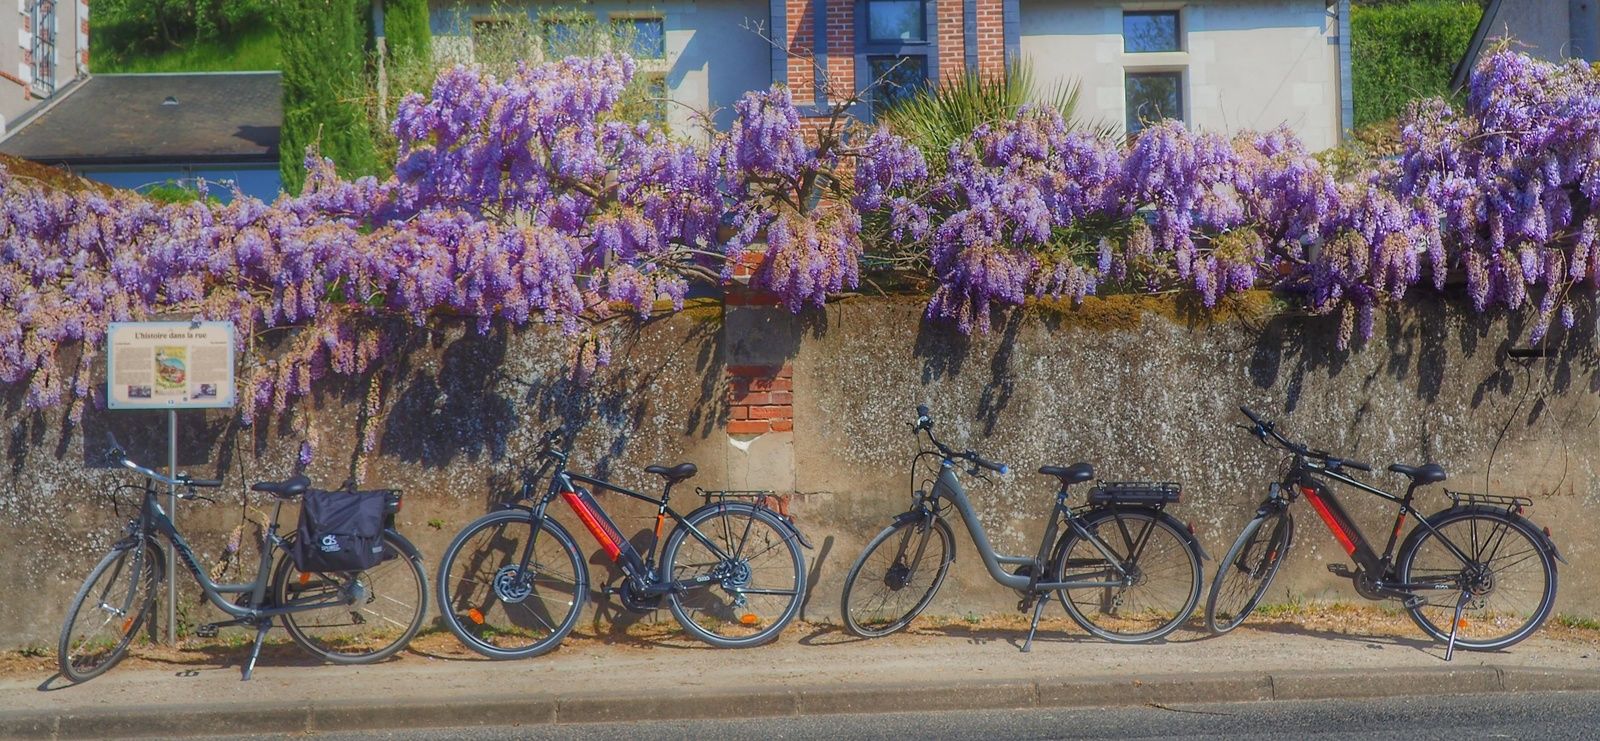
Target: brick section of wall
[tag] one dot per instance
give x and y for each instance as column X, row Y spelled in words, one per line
column 798, row 40
column 760, row 399
column 842, row 46
column 952, row 40
column 991, row 38
column 738, row 291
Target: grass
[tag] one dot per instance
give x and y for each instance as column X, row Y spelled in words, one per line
column 258, row 49
column 1581, row 623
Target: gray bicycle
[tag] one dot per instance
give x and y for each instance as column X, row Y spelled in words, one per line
column 1124, row 569
column 352, row 617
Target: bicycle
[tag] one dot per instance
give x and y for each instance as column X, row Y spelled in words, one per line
column 1472, row 556
column 344, row 618
column 1124, row 569
column 512, row 583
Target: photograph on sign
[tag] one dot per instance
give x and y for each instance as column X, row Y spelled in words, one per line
column 170, row 365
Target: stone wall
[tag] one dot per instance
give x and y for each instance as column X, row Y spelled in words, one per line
column 1145, row 388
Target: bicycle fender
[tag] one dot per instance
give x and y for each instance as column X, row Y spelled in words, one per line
column 1108, row 511
column 921, row 514
column 1540, row 534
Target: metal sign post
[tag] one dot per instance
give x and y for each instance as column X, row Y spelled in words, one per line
column 171, row 366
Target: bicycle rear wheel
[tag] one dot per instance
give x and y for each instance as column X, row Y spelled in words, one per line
column 1162, row 585
column 1509, row 577
column 896, row 576
column 494, row 605
column 109, row 609
column 365, row 616
column 745, row 580
column 1247, row 571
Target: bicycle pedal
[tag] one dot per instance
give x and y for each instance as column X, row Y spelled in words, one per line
column 1339, row 569
column 1413, row 602
column 209, row 630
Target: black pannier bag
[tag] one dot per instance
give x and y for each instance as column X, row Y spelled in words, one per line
column 340, row 530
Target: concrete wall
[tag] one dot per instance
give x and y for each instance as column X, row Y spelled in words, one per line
column 714, row 53
column 17, row 94
column 1143, row 388
column 1247, row 64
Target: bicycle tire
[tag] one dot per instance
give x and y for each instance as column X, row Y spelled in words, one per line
column 383, row 610
column 498, row 612
column 897, row 577
column 1487, row 531
column 741, row 620
column 1105, row 612
column 1248, row 569
column 133, row 610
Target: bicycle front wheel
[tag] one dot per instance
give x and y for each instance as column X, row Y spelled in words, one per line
column 497, row 606
column 355, row 617
column 1508, row 577
column 1247, row 571
column 110, row 608
column 1145, row 574
column 740, row 574
column 896, row 576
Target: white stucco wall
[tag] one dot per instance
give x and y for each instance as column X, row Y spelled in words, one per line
column 16, row 97
column 712, row 56
column 1247, row 64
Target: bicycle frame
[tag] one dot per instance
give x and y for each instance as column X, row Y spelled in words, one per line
column 1303, row 480
column 153, row 520
column 947, row 486
column 649, row 577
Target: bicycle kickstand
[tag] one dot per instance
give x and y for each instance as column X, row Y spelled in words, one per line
column 1455, row 624
column 1038, row 608
column 255, row 650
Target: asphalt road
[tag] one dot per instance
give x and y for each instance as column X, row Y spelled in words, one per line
column 1571, row 715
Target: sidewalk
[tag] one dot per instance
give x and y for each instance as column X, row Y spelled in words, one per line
column 811, row 670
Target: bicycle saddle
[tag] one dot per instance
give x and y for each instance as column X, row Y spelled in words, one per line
column 674, row 474
column 289, row 488
column 1430, row 473
column 1076, row 473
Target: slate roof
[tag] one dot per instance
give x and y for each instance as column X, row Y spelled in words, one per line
column 156, row 118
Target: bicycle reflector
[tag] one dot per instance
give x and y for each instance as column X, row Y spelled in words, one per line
column 475, row 615
column 749, row 618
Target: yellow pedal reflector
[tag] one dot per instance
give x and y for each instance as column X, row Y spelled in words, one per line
column 749, row 618
column 475, row 615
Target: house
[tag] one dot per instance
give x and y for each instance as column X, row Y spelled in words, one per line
column 1553, row 30
column 1219, row 65
column 144, row 130
column 51, row 54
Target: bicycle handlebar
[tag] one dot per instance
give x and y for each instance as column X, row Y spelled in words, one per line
column 1263, row 429
column 924, row 423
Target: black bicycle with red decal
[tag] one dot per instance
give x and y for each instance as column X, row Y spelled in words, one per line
column 1477, row 574
column 513, row 582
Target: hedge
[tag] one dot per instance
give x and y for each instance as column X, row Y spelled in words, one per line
column 1401, row 52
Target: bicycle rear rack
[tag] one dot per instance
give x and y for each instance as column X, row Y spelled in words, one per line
column 765, row 499
column 1468, row 499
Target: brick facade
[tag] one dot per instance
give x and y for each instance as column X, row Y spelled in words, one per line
column 760, row 399
column 952, row 39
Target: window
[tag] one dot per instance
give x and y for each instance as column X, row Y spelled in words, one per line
column 896, row 78
column 660, row 97
column 1145, row 31
column 642, row 38
column 498, row 37
column 564, row 37
column 1153, row 96
column 896, row 21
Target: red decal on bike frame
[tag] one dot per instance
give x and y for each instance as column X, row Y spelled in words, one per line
column 1332, row 520
column 596, row 526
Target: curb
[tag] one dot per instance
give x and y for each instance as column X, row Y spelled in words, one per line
column 514, row 709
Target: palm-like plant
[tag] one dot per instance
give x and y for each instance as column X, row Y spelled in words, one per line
column 935, row 117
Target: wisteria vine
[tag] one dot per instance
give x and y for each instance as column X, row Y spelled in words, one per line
column 525, row 200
